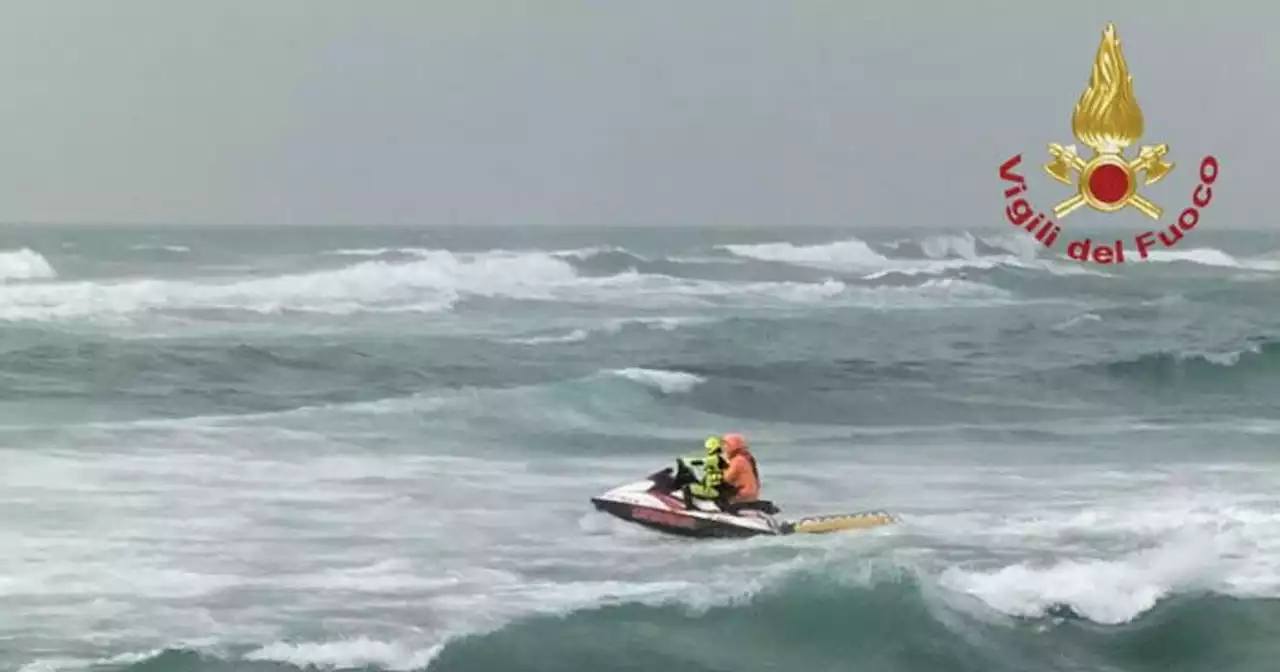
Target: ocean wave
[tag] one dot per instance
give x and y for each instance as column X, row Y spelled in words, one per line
column 1208, row 256
column 176, row 249
column 668, row 382
column 1108, row 592
column 431, row 284
column 24, row 264
column 812, row 618
column 573, row 336
column 627, row 400
column 380, row 251
column 1256, row 357
column 356, row 653
column 941, row 254
column 892, row 615
column 1077, row 321
column 360, row 652
column 611, row 326
column 436, row 282
column 852, row 253
column 344, row 384
column 579, row 254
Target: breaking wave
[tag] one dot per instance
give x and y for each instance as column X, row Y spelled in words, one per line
column 612, row 326
column 433, row 281
column 1257, row 358
column 666, row 381
column 24, row 264
column 939, row 254
column 1207, row 256
column 831, row 616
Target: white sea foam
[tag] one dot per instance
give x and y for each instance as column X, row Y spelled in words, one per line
column 944, row 254
column 379, row 251
column 24, row 264
column 574, row 336
column 1107, row 591
column 609, row 326
column 1143, row 537
column 668, row 381
column 1208, row 256
column 346, row 654
column 850, row 254
column 1077, row 321
column 177, row 249
column 435, row 282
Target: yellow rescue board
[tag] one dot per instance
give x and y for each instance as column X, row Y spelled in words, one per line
column 841, row 522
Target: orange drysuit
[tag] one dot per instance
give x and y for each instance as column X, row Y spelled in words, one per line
column 742, row 472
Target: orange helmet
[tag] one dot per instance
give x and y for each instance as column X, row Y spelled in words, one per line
column 734, row 443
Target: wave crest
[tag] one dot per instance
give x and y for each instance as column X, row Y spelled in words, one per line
column 892, row 620
column 24, row 264
column 1208, row 256
column 1257, row 357
column 433, row 281
column 941, row 254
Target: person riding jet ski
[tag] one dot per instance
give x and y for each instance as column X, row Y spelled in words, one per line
column 708, row 485
column 730, row 476
column 742, row 476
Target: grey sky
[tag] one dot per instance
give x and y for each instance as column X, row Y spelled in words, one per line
column 824, row 112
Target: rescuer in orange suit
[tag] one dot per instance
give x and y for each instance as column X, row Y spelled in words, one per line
column 742, row 475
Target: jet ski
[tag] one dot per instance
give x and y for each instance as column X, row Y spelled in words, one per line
column 662, row 502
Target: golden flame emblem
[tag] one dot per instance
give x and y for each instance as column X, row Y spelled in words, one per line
column 1107, row 119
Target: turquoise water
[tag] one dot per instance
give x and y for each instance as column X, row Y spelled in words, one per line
column 275, row 448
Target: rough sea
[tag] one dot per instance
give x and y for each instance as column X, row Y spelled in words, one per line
column 284, row 449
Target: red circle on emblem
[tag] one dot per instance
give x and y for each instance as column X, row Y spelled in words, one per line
column 1109, row 183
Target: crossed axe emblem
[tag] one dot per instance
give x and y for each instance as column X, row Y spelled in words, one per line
column 1148, row 163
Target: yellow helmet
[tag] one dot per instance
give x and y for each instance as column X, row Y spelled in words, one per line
column 713, row 445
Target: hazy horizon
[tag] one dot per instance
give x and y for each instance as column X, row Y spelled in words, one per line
column 813, row 114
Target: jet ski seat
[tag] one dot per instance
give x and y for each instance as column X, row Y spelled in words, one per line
column 762, row 505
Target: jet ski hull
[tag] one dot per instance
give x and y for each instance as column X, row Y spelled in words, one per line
column 675, row 523
column 658, row 503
